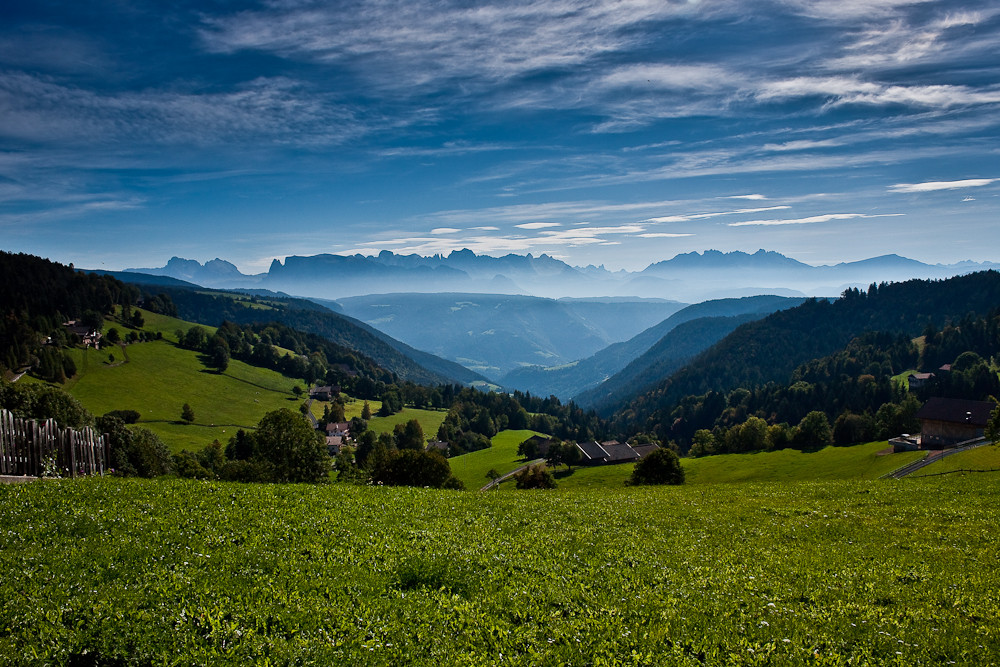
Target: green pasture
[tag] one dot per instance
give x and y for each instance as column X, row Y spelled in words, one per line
column 173, row 572
column 986, row 457
column 787, row 465
column 502, row 456
column 430, row 420
column 856, row 462
column 161, row 377
column 165, row 324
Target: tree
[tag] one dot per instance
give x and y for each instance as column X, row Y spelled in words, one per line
column 220, row 354
column 288, row 442
column 703, row 443
column 114, row 337
column 993, row 426
column 187, row 414
column 535, row 477
column 366, row 411
column 661, row 466
column 411, row 467
column 814, row 430
column 493, row 475
column 409, row 435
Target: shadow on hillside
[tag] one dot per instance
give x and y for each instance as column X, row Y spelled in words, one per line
column 562, row 474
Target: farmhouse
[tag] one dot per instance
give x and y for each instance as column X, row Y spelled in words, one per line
column 945, row 422
column 324, row 393
column 592, row 453
column 338, row 429
column 438, row 446
column 334, row 444
column 917, row 380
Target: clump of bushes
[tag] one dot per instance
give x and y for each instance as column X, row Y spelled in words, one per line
column 535, row 477
column 661, row 466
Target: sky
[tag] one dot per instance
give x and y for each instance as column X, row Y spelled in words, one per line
column 605, row 132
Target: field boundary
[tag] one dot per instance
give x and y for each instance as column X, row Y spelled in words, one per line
column 933, row 457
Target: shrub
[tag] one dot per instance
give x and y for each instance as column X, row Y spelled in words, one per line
column 135, row 452
column 127, row 416
column 661, row 466
column 412, row 467
column 535, row 477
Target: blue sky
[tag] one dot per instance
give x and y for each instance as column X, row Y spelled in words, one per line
column 615, row 132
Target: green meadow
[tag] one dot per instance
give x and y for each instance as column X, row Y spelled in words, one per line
column 429, row 420
column 161, row 377
column 502, row 456
column 980, row 458
column 174, row 572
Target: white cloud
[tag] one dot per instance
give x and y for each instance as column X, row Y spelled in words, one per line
column 754, row 196
column 662, row 235
column 827, row 217
column 932, row 186
column 444, row 230
column 702, row 216
column 538, row 225
column 802, row 145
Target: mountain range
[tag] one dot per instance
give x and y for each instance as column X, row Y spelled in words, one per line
column 690, row 277
column 493, row 334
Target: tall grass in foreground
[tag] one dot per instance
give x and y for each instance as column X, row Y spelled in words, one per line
column 110, row 571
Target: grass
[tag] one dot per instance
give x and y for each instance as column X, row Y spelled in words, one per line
column 830, row 463
column 115, row 572
column 165, row 324
column 986, row 457
column 430, row 420
column 502, row 456
column 857, row 462
column 161, row 377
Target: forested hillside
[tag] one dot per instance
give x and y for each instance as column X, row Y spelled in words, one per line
column 36, row 298
column 796, row 362
column 212, row 308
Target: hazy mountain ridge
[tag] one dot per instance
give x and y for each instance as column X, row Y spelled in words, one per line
column 494, row 334
column 689, row 277
column 572, row 380
column 671, row 352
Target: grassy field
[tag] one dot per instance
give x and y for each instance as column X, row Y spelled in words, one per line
column 429, row 420
column 832, row 463
column 502, row 456
column 165, row 572
column 160, row 377
column 980, row 458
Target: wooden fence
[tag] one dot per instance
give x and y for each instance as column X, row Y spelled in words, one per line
column 32, row 448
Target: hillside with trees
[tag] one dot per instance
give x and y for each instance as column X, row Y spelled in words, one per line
column 774, row 379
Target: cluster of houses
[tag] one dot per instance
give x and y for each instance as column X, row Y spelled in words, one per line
column 947, row 423
column 918, row 380
column 592, row 453
column 89, row 337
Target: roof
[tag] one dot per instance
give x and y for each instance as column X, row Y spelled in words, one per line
column 441, row 445
column 645, row 450
column 921, row 376
column 957, row 411
column 592, row 451
column 620, row 452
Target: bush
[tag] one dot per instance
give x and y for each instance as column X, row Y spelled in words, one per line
column 127, row 416
column 535, row 477
column 661, row 466
column 247, row 471
column 135, row 452
column 412, row 467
